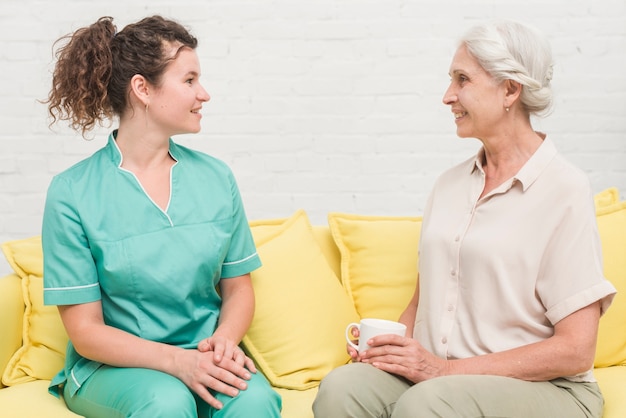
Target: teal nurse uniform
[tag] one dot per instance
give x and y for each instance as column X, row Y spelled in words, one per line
column 155, row 271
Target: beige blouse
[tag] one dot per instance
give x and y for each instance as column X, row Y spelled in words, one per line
column 499, row 272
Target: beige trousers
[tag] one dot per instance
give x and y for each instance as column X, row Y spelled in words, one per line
column 361, row 391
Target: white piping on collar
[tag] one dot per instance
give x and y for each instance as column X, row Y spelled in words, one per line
column 169, row 198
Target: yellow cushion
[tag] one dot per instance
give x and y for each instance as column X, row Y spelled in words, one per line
column 44, row 339
column 329, row 248
column 11, row 318
column 611, row 348
column 297, row 334
column 606, row 197
column 378, row 261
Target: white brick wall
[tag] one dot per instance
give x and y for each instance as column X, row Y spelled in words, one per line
column 331, row 105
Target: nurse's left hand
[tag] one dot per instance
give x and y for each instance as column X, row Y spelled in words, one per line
column 223, row 348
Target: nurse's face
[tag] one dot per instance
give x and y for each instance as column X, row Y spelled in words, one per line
column 176, row 104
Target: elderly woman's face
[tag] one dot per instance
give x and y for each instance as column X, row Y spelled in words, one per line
column 475, row 98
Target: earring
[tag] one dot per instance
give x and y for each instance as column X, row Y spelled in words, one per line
column 506, row 108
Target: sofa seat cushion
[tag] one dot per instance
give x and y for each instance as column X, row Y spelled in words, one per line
column 297, row 403
column 611, row 381
column 32, row 400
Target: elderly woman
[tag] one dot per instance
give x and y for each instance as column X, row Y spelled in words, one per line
column 504, row 319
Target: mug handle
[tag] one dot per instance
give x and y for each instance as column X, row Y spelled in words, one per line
column 349, row 337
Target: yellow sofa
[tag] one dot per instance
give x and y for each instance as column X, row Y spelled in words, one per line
column 315, row 279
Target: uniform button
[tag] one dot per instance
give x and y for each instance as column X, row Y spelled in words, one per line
column 444, row 340
column 450, row 308
column 457, row 238
column 453, row 272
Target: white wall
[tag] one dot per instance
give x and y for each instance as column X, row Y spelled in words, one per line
column 331, row 105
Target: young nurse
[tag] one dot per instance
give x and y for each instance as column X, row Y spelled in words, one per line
column 147, row 250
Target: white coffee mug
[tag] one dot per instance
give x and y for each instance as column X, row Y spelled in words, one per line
column 371, row 327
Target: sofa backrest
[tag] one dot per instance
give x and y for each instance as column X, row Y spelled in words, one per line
column 25, row 256
column 11, row 318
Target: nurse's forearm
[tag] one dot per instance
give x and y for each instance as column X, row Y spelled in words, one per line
column 95, row 340
column 237, row 308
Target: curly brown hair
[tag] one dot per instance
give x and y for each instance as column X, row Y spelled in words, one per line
column 90, row 82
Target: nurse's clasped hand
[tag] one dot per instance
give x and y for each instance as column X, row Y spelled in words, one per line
column 225, row 348
column 219, row 365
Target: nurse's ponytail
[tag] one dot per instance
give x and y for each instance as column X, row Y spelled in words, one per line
column 90, row 83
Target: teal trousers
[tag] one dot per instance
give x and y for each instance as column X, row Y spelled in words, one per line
column 359, row 390
column 131, row 392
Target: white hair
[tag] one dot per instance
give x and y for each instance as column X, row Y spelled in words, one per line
column 509, row 50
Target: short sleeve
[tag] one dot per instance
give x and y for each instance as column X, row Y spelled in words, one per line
column 242, row 257
column 70, row 275
column 571, row 272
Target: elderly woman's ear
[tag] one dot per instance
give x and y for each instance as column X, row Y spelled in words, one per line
column 513, row 91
